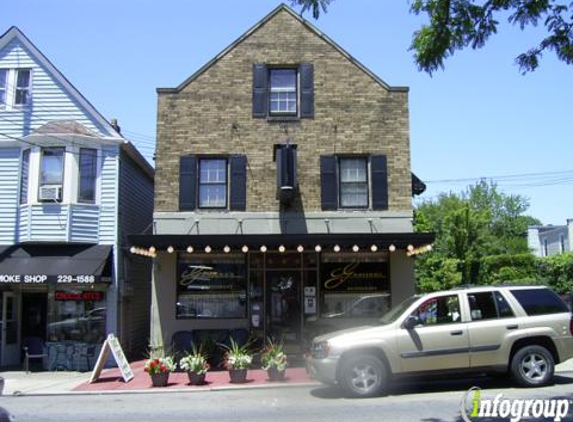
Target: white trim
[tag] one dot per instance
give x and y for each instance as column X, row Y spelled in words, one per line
column 15, row 33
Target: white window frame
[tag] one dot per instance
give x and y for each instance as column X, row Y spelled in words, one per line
column 28, row 88
column 96, row 176
column 4, row 89
column 365, row 182
column 284, row 90
column 200, row 183
column 11, row 88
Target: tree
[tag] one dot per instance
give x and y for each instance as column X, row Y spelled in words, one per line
column 457, row 24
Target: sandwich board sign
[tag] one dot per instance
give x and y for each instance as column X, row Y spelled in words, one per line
column 111, row 344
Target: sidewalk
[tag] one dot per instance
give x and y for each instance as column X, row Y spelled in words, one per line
column 110, row 381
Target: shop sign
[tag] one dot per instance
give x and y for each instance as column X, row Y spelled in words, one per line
column 79, row 296
column 355, row 277
column 111, row 344
column 213, row 278
column 51, row 279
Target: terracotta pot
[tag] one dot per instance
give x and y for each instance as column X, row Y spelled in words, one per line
column 195, row 378
column 238, row 375
column 276, row 375
column 160, row 380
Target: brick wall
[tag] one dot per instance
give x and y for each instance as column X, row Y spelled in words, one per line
column 213, row 115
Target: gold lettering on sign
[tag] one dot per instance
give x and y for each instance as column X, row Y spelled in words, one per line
column 339, row 275
column 193, row 274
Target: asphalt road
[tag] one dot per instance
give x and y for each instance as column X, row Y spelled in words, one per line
column 427, row 401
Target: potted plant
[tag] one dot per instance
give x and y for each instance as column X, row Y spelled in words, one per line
column 195, row 364
column 237, row 360
column 274, row 360
column 159, row 370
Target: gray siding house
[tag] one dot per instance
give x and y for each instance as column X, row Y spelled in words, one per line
column 549, row 239
column 71, row 189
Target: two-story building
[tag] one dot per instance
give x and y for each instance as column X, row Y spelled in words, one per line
column 550, row 240
column 283, row 189
column 71, row 190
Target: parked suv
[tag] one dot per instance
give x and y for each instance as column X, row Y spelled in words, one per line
column 523, row 330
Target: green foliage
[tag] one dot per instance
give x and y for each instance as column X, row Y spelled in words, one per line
column 557, row 271
column 435, row 272
column 520, row 268
column 457, row 24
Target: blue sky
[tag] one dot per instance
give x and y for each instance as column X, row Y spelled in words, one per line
column 478, row 118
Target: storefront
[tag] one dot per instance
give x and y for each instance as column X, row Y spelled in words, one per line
column 55, row 296
column 277, row 286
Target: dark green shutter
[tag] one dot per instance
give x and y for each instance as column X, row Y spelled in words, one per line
column 328, row 182
column 188, row 183
column 260, row 86
column 306, row 71
column 379, row 170
column 238, row 182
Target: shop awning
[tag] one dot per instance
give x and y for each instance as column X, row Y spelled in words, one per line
column 53, row 263
column 289, row 241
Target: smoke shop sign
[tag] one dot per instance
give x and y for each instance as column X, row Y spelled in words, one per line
column 52, row 279
column 355, row 277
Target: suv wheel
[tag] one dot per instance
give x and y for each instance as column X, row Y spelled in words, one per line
column 363, row 376
column 532, row 366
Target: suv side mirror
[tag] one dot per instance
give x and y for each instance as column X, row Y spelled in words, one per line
column 411, row 322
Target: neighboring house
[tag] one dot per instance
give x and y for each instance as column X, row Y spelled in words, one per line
column 283, row 189
column 71, row 190
column 550, row 240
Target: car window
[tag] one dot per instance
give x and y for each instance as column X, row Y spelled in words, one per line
column 539, row 301
column 503, row 307
column 482, row 306
column 439, row 310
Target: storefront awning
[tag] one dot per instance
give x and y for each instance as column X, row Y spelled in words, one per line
column 53, row 263
column 289, row 241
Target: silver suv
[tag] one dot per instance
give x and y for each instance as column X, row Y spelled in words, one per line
column 523, row 330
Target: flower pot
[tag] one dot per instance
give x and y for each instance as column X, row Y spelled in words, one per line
column 238, row 375
column 160, row 379
column 195, row 378
column 275, row 375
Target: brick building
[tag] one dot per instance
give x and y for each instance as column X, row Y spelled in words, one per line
column 283, row 188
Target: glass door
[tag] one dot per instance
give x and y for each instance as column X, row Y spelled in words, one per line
column 284, row 305
column 10, row 343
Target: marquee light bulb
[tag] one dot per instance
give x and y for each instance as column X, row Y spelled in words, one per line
column 152, row 249
column 300, row 248
column 336, row 248
column 410, row 248
column 282, row 248
column 373, row 248
column 318, row 248
column 226, row 249
column 208, row 249
column 263, row 249
column 245, row 249
column 355, row 248
column 392, row 248
column 189, row 249
column 169, row 249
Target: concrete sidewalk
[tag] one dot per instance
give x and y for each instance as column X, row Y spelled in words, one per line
column 56, row 383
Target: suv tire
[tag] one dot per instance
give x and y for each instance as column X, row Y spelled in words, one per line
column 363, row 376
column 532, row 366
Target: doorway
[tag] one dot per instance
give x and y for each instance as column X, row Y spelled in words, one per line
column 9, row 330
column 34, row 314
column 283, row 305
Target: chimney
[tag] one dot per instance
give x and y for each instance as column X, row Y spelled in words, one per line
column 115, row 125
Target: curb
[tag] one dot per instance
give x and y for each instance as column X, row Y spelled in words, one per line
column 162, row 391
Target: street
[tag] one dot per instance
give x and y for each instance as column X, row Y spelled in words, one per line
column 429, row 401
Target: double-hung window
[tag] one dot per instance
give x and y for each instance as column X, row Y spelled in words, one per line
column 3, row 85
column 212, row 183
column 51, row 174
column 23, row 79
column 87, row 175
column 283, row 91
column 353, row 182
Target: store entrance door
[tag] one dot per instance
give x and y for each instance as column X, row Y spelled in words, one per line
column 9, row 330
column 283, row 306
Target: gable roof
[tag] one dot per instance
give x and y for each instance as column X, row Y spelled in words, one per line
column 283, row 7
column 13, row 33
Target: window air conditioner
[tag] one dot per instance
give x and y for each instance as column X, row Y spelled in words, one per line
column 51, row 193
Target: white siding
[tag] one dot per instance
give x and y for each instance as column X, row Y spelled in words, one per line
column 9, row 183
column 108, row 197
column 50, row 101
column 49, row 223
column 84, row 224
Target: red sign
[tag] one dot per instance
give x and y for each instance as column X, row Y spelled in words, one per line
column 80, row 296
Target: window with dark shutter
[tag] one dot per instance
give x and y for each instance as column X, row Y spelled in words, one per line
column 188, row 183
column 379, row 171
column 328, row 185
column 260, row 95
column 306, row 90
column 238, row 182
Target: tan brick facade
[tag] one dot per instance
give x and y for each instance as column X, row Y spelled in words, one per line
column 212, row 114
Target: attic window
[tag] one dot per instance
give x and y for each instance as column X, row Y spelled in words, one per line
column 283, row 91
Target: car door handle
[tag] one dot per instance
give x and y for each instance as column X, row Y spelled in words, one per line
column 512, row 327
column 456, row 333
